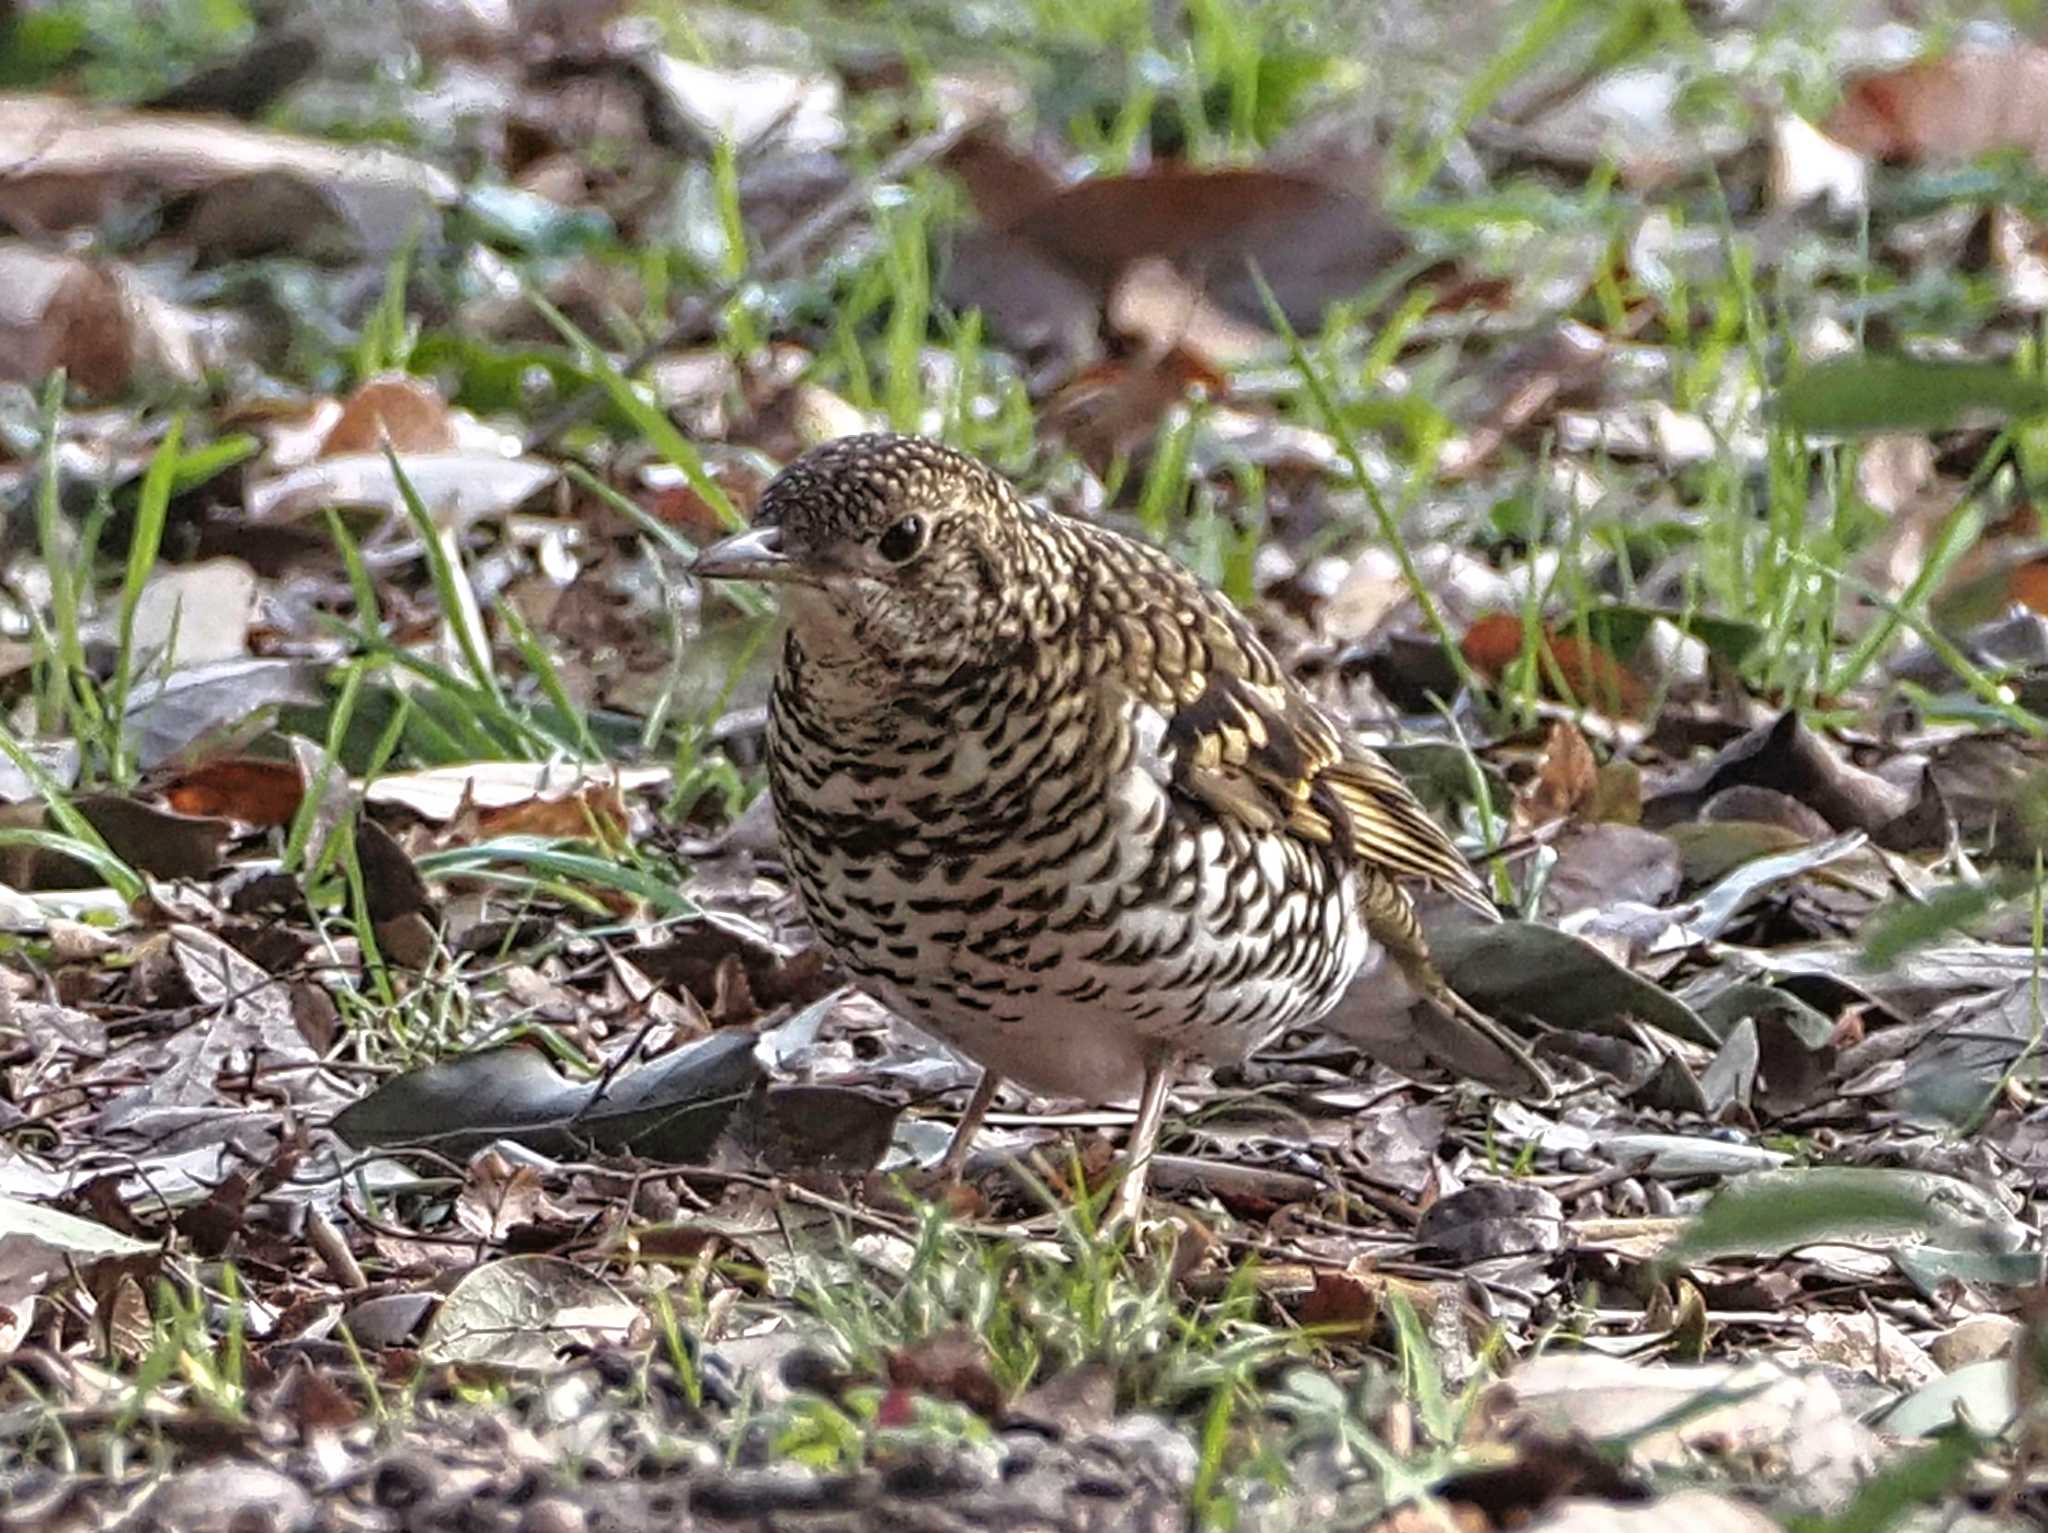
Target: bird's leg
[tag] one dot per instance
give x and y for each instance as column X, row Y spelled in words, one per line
column 1160, row 1070
column 954, row 1161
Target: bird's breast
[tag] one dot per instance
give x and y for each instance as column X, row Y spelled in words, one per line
column 1042, row 899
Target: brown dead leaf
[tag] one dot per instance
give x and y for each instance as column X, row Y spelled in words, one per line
column 1314, row 241
column 1566, row 778
column 248, row 789
column 1953, row 108
column 125, row 1320
column 406, row 412
column 597, row 810
column 1113, row 409
column 953, row 1364
column 147, row 838
column 310, row 1401
column 60, row 312
column 1592, row 676
column 1346, row 1302
column 695, row 958
column 1005, row 184
column 214, row 1224
column 499, row 1196
column 392, row 886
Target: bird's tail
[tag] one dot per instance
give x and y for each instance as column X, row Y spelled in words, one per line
column 1391, row 921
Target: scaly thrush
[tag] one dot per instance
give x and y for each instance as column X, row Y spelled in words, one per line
column 1048, row 797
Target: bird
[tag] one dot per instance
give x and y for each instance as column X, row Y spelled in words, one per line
column 1049, row 798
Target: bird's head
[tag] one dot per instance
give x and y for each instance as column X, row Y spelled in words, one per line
column 892, row 554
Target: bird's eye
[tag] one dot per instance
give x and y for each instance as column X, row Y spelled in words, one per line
column 903, row 540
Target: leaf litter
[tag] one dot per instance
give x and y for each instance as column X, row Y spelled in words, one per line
column 422, row 1106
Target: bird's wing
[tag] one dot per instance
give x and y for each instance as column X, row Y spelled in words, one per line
column 1262, row 750
column 1240, row 737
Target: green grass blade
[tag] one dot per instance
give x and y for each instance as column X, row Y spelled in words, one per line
column 647, row 418
column 121, row 878
column 546, row 857
column 451, row 584
column 151, row 510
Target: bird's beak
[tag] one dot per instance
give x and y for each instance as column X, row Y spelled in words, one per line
column 753, row 555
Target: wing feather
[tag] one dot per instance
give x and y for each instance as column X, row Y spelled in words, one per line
column 1267, row 755
column 1242, row 738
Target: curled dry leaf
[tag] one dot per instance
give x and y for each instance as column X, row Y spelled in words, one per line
column 405, row 412
column 1788, row 756
column 392, row 886
column 1566, row 779
column 954, row 1364
column 498, row 1196
column 597, row 811
column 1346, row 1302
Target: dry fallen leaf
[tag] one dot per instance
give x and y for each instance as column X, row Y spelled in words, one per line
column 1952, row 108
column 1565, row 781
column 1315, row 241
column 70, row 164
column 1594, row 678
column 247, row 789
column 96, row 320
column 404, row 412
